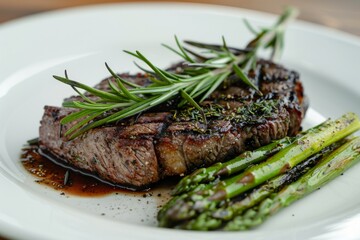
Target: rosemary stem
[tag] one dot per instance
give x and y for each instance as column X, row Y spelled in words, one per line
column 200, row 77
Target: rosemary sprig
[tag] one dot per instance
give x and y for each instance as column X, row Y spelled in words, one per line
column 202, row 74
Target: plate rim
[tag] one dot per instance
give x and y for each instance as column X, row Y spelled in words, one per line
column 325, row 31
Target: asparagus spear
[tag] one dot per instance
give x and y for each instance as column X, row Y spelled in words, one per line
column 329, row 168
column 194, row 182
column 210, row 220
column 194, row 203
column 237, row 164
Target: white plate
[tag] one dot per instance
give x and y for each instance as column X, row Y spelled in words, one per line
column 81, row 40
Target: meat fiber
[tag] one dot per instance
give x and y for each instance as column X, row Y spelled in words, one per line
column 139, row 151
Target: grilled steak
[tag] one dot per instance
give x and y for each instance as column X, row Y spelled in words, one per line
column 166, row 141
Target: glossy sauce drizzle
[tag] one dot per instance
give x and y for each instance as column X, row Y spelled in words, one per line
column 65, row 179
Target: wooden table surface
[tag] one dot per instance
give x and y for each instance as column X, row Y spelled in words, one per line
column 343, row 15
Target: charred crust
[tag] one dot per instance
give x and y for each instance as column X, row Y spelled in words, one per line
column 247, row 179
column 285, row 168
column 218, row 196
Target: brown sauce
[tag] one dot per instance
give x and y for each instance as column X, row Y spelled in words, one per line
column 64, row 178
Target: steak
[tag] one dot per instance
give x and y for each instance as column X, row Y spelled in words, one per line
column 165, row 141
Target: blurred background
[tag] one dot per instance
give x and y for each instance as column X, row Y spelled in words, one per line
column 343, row 15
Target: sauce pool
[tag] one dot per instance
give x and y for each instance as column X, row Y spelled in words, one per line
column 64, row 178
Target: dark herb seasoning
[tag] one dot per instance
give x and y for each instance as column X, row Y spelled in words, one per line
column 250, row 112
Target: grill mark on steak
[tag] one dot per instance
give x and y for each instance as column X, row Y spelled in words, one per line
column 143, row 149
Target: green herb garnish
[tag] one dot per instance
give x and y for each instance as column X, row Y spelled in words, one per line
column 202, row 74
